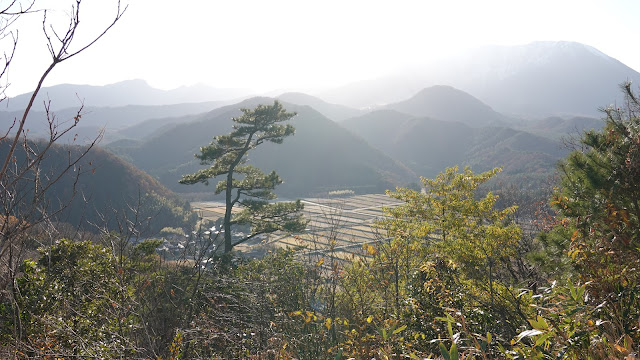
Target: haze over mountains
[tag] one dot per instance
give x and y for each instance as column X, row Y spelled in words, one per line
column 540, row 78
column 132, row 92
column 537, row 79
column 492, row 107
column 321, row 156
column 428, row 146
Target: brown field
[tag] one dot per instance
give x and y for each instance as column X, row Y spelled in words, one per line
column 337, row 226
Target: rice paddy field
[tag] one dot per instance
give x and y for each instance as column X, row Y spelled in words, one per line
column 338, row 227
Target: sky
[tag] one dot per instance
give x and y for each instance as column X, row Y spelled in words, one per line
column 267, row 45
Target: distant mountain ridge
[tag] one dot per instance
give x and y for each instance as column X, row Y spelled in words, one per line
column 428, row 146
column 535, row 80
column 112, row 119
column 334, row 112
column 130, row 92
column 539, row 79
column 368, row 153
column 557, row 128
column 322, row 156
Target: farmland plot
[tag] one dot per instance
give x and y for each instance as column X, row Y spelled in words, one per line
column 337, row 228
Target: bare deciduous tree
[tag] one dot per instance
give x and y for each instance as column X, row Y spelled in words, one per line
column 26, row 179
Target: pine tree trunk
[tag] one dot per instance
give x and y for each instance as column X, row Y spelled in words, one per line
column 227, row 215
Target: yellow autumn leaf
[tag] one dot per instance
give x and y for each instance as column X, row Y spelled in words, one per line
column 575, row 235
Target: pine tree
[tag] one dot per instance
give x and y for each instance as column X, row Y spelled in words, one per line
column 246, row 186
column 599, row 203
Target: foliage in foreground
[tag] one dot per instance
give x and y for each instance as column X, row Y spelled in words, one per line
column 452, row 277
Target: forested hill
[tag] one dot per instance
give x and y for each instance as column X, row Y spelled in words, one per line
column 449, row 104
column 321, row 156
column 99, row 191
column 369, row 153
column 428, row 146
column 556, row 127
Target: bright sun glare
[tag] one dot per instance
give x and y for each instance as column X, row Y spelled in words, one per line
column 267, row 45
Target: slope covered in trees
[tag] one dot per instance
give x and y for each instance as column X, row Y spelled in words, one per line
column 102, row 191
column 321, row 157
column 449, row 104
column 556, row 127
column 428, row 146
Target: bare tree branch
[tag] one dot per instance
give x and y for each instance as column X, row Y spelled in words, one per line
column 57, row 57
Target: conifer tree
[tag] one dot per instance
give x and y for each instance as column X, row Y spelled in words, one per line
column 599, row 205
column 244, row 185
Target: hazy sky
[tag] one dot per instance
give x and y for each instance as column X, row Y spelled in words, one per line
column 267, row 45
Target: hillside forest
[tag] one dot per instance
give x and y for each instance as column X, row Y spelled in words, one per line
column 473, row 232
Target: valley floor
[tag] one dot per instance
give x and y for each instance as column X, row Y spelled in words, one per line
column 337, row 226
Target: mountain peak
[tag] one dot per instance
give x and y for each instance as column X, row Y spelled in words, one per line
column 132, row 83
column 442, row 90
column 566, row 46
column 446, row 103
